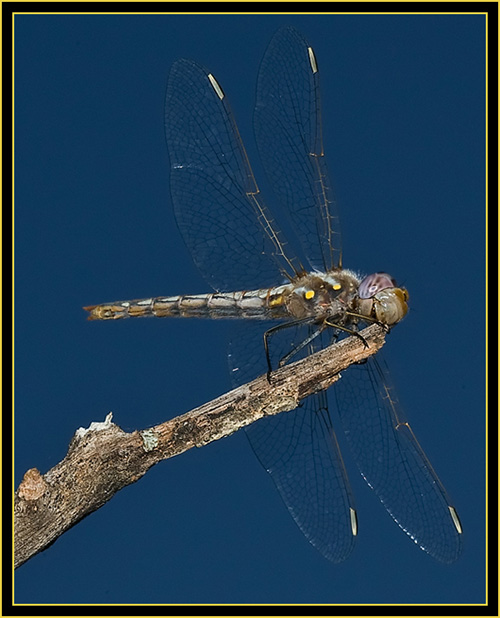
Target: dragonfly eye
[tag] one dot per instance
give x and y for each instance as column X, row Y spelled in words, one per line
column 372, row 284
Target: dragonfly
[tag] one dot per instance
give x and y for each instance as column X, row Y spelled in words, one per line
column 296, row 302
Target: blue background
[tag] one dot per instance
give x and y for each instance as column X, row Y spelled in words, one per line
column 403, row 108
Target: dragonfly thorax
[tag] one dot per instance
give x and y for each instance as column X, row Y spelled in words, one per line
column 322, row 295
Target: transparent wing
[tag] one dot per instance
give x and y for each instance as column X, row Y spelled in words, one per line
column 300, row 452
column 216, row 201
column 392, row 462
column 288, row 131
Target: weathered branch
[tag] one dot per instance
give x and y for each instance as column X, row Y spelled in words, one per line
column 103, row 459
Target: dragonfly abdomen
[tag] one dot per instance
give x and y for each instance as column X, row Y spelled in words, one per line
column 262, row 304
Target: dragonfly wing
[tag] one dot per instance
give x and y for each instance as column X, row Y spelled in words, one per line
column 392, row 461
column 217, row 204
column 288, row 131
column 299, row 450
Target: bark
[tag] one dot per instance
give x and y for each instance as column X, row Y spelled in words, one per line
column 103, row 459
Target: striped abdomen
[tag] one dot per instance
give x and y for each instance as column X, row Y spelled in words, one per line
column 256, row 304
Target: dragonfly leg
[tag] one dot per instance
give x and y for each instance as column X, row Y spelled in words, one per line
column 287, row 357
column 348, row 330
column 296, row 349
column 367, row 318
column 301, row 345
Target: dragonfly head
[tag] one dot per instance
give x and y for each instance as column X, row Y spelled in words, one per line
column 380, row 298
